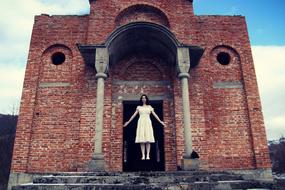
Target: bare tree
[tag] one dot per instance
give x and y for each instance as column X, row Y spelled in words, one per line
column 15, row 109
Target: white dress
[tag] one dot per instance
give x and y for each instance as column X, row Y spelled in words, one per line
column 144, row 132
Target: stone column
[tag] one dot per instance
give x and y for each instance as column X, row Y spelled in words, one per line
column 183, row 59
column 101, row 64
column 186, row 114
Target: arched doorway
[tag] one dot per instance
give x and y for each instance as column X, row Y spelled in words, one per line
column 142, row 60
column 132, row 77
column 155, row 49
column 131, row 151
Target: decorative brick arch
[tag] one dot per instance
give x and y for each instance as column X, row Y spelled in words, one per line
column 153, row 66
column 141, row 12
column 234, row 55
column 49, row 71
column 57, row 46
column 140, row 37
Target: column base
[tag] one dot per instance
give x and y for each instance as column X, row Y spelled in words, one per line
column 97, row 163
column 190, row 164
column 21, row 178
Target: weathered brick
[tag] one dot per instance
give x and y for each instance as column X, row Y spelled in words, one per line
column 56, row 124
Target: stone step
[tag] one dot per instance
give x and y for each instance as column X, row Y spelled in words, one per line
column 83, row 187
column 133, row 179
column 149, row 173
column 179, row 180
column 220, row 185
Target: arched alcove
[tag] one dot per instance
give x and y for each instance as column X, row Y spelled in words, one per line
column 142, row 37
column 141, row 12
column 56, row 63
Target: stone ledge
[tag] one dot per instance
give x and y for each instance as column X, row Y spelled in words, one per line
column 255, row 174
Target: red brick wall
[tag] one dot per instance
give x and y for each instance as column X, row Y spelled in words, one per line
column 225, row 33
column 103, row 16
column 49, row 116
column 57, row 116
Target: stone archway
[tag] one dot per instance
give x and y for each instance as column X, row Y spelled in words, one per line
column 140, row 38
column 130, row 77
column 143, row 47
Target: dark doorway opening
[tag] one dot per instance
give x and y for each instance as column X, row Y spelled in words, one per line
column 131, row 150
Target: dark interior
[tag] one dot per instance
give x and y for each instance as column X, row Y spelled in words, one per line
column 131, row 151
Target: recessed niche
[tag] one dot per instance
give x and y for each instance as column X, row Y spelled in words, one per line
column 224, row 58
column 58, row 58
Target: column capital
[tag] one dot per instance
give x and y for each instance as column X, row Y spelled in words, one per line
column 101, row 75
column 183, row 60
column 102, row 60
column 183, row 75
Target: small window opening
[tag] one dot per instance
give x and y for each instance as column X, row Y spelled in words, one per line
column 58, row 58
column 224, row 58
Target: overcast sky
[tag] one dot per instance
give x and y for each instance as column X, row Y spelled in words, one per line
column 266, row 25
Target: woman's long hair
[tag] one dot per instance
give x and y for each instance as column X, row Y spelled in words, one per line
column 147, row 100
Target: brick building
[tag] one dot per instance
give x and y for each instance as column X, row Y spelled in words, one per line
column 85, row 75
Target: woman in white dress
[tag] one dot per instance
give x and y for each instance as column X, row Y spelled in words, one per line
column 144, row 133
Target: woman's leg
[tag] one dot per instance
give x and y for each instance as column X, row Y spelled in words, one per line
column 143, row 150
column 147, row 150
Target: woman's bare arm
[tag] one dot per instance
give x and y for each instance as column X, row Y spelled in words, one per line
column 156, row 117
column 133, row 116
